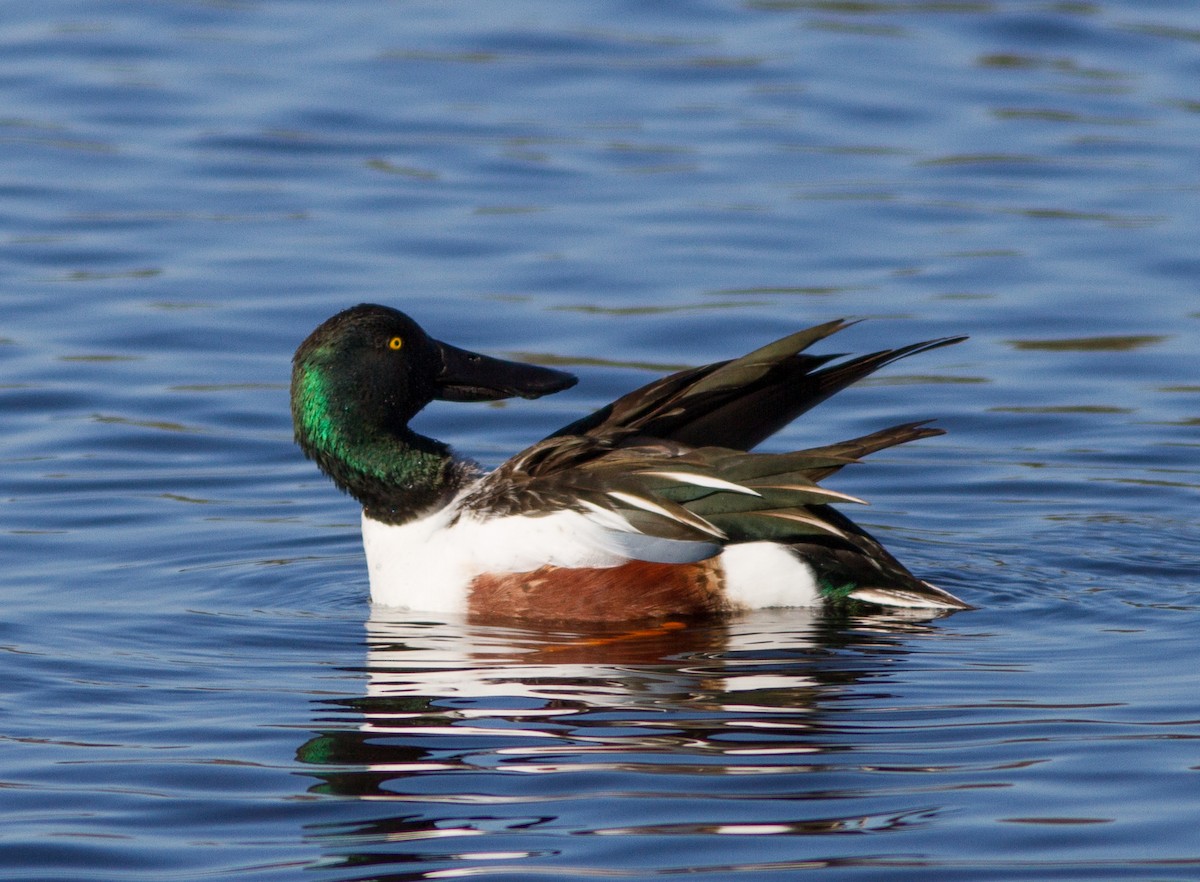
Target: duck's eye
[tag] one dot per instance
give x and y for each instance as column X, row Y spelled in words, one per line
column 395, row 343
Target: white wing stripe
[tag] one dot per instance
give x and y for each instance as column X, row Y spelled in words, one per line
column 654, row 508
column 816, row 490
column 606, row 517
column 802, row 519
column 704, row 481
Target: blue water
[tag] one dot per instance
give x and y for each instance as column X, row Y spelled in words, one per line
column 195, row 684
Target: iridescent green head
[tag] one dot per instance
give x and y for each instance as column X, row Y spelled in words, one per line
column 362, row 375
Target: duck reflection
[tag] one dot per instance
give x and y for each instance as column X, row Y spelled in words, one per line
column 468, row 729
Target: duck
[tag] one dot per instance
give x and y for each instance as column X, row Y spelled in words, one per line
column 651, row 507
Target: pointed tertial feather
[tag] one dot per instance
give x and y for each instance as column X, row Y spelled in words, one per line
column 711, row 492
column 808, row 521
column 744, row 401
column 792, row 386
column 700, row 475
column 666, row 407
column 695, row 479
column 624, row 538
column 816, row 491
column 669, row 510
column 634, row 408
column 668, row 491
column 830, row 458
column 927, row 597
column 777, row 492
column 739, row 403
column 665, row 466
column 742, row 372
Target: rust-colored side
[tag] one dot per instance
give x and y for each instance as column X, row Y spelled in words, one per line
column 635, row 590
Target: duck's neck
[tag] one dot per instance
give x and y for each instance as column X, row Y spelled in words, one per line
column 396, row 478
column 397, row 474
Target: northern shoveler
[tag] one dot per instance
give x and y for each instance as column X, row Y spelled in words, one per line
column 650, row 506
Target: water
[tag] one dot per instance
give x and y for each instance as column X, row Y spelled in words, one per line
column 196, row 686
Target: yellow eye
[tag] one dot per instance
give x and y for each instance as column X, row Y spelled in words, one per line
column 395, row 343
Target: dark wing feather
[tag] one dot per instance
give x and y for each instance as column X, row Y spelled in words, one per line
column 670, row 460
column 742, row 402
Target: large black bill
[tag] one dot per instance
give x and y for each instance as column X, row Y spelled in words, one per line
column 468, row 376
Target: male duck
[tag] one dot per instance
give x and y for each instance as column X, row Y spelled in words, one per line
column 648, row 507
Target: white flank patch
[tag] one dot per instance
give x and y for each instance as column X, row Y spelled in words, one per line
column 766, row 574
column 429, row 564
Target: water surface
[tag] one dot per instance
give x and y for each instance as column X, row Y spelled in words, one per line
column 196, row 684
